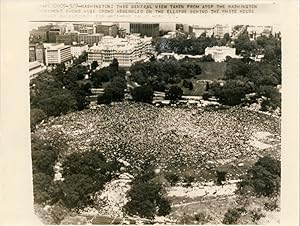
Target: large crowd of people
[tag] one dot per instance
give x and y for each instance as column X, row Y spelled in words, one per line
column 179, row 140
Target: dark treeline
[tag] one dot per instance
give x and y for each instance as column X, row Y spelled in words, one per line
column 183, row 44
column 159, row 73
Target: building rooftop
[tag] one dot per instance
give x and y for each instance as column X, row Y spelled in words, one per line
column 106, row 24
column 55, row 46
column 78, row 44
column 34, row 64
column 119, row 44
column 197, row 26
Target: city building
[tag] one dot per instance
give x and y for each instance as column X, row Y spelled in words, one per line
column 170, row 34
column 145, row 29
column 90, row 39
column 88, row 30
column 67, row 38
column 35, row 68
column 164, row 26
column 199, row 30
column 78, row 26
column 186, row 28
column 219, row 53
column 126, row 50
column 32, row 53
column 108, row 29
column 52, row 33
column 125, row 25
column 220, row 30
column 40, row 34
column 57, row 53
column 122, row 32
column 77, row 49
column 256, row 31
column 36, row 53
column 69, row 28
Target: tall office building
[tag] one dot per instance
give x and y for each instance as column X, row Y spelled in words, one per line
column 167, row 26
column 67, row 38
column 108, row 29
column 56, row 53
column 90, row 39
column 77, row 49
column 52, row 33
column 36, row 53
column 145, row 29
column 87, row 30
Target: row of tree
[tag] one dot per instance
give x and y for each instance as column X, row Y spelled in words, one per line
column 58, row 92
column 182, row 44
column 159, row 73
column 244, row 76
column 83, row 175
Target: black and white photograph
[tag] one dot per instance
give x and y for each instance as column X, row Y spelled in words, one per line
column 163, row 114
column 145, row 123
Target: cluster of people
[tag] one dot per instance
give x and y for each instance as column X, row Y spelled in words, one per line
column 182, row 140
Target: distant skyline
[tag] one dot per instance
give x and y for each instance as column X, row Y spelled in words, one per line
column 35, row 25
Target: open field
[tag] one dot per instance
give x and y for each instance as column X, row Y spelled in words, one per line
column 212, row 70
column 180, row 140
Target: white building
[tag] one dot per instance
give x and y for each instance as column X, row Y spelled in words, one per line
column 256, row 31
column 199, row 30
column 35, row 68
column 56, row 53
column 170, row 34
column 126, row 50
column 166, row 26
column 219, row 53
column 125, row 25
column 220, row 30
column 78, row 49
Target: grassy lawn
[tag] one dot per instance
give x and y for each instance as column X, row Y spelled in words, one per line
column 212, row 70
column 198, row 88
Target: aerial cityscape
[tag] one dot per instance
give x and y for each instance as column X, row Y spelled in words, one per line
column 155, row 123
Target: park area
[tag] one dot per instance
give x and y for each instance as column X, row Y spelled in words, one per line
column 188, row 142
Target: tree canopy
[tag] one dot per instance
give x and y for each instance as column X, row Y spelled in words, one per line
column 263, row 178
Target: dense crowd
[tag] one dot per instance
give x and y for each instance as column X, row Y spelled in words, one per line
column 181, row 140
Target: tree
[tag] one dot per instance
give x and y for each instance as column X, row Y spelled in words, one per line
column 188, row 84
column 94, row 65
column 221, row 176
column 41, row 183
column 235, row 68
column 44, row 156
column 263, row 177
column 58, row 104
column 143, row 94
column 101, row 76
column 207, row 58
column 84, row 174
column 36, row 116
column 114, row 65
column 232, row 216
column 114, row 91
column 172, row 178
column 174, row 93
column 146, row 200
column 82, row 58
column 232, row 92
column 77, row 190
